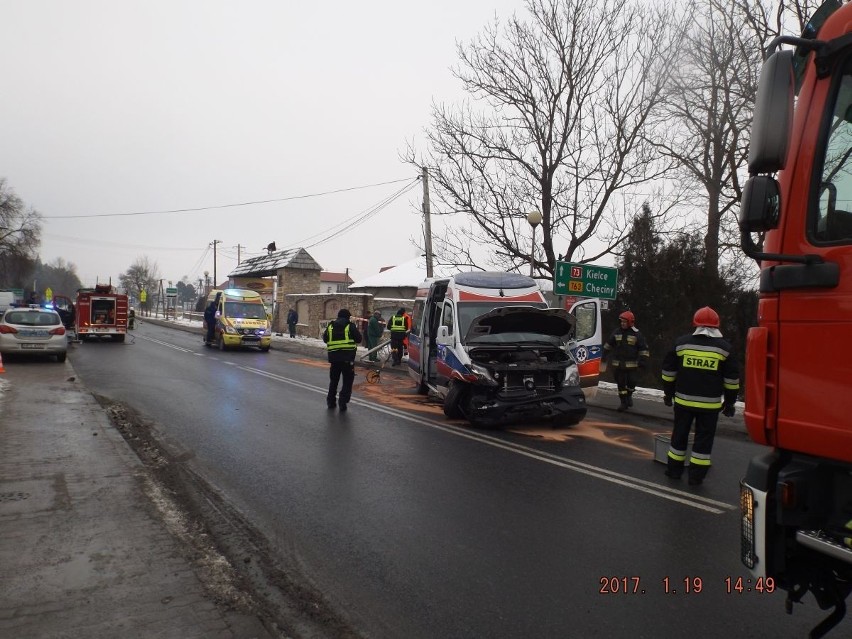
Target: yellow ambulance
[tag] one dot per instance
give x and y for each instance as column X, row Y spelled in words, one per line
column 241, row 319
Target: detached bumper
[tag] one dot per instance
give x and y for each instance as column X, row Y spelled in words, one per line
column 568, row 405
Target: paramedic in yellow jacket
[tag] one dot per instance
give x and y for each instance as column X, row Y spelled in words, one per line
column 399, row 327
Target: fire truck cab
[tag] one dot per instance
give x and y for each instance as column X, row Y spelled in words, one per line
column 796, row 498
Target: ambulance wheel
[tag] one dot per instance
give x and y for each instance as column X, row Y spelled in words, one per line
column 453, row 401
column 264, row 349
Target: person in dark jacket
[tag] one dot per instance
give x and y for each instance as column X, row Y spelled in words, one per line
column 398, row 326
column 628, row 351
column 700, row 377
column 210, row 321
column 375, row 330
column 341, row 338
column 292, row 320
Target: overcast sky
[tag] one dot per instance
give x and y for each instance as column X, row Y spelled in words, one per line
column 113, row 107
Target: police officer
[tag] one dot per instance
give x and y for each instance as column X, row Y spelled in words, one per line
column 398, row 326
column 701, row 378
column 627, row 349
column 341, row 339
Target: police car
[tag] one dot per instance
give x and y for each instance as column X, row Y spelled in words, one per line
column 33, row 330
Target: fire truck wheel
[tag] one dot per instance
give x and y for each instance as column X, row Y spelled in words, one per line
column 118, row 338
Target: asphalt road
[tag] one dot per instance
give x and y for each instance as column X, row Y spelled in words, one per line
column 418, row 527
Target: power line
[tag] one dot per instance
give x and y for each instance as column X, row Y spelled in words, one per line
column 223, row 206
column 354, row 221
column 88, row 241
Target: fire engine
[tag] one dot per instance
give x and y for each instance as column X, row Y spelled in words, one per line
column 796, row 221
column 101, row 312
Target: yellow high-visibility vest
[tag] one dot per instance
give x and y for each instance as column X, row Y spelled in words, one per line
column 345, row 344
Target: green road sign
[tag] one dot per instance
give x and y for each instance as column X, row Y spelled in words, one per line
column 585, row 280
column 171, row 292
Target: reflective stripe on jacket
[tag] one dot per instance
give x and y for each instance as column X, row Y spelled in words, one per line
column 626, row 348
column 700, row 372
column 345, row 344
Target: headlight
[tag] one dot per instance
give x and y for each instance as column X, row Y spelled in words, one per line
column 572, row 375
column 483, row 374
column 230, row 330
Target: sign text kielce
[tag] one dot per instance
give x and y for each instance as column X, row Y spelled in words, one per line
column 586, row 280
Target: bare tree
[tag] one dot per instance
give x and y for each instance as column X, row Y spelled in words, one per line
column 559, row 104
column 20, row 236
column 60, row 276
column 705, row 119
column 143, row 274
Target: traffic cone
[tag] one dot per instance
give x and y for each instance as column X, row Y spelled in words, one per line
column 2, row 370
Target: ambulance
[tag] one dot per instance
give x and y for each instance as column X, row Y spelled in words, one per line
column 241, row 319
column 489, row 347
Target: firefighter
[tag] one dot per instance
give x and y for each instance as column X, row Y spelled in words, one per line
column 398, row 326
column 627, row 349
column 700, row 377
column 341, row 338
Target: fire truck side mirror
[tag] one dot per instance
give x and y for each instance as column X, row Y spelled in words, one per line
column 761, row 204
column 773, row 115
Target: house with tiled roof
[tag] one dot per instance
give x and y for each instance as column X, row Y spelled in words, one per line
column 334, row 282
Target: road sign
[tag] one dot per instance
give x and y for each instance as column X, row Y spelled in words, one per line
column 585, row 280
column 171, row 292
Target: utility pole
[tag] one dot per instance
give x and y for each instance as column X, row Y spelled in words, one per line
column 427, row 223
column 239, row 246
column 214, row 243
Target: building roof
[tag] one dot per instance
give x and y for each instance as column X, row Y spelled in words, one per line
column 269, row 264
column 413, row 273
column 407, row 274
column 327, row 276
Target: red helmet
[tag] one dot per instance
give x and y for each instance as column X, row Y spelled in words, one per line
column 706, row 317
column 628, row 317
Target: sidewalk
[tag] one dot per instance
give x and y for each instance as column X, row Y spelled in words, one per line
column 84, row 553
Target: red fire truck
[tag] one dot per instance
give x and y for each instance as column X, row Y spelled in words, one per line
column 100, row 312
column 796, row 498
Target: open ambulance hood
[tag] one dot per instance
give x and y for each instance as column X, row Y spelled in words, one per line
column 554, row 322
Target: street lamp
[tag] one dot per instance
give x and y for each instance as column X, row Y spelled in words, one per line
column 534, row 218
column 206, row 283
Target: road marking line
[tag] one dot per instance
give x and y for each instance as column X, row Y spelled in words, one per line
column 664, row 492
column 167, row 345
column 672, row 494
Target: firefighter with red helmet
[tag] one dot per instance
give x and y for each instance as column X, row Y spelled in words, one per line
column 701, row 378
column 628, row 351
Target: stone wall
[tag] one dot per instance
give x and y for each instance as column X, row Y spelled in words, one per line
column 315, row 310
column 293, row 280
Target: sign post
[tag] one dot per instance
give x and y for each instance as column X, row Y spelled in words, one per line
column 585, row 280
